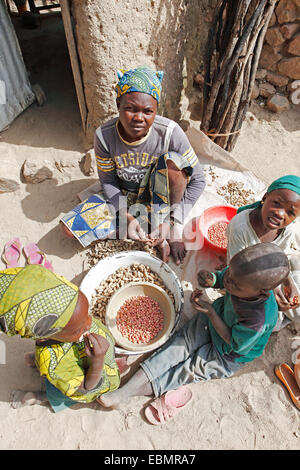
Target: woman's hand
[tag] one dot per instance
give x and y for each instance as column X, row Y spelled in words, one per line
column 160, row 234
column 201, row 305
column 134, row 230
column 205, row 278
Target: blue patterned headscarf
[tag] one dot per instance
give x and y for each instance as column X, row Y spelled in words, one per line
column 291, row 182
column 141, row 79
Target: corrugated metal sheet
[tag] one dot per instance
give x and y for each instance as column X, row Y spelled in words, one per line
column 15, row 90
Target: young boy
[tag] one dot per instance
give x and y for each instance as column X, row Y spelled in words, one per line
column 220, row 339
column 39, row 304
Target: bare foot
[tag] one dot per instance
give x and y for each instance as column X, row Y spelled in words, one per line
column 138, row 385
column 18, row 398
column 164, row 249
column 178, row 251
column 111, row 400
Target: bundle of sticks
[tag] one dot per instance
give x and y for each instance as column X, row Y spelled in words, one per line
column 232, row 54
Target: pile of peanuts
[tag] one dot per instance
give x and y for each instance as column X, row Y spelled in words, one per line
column 122, row 276
column 217, row 234
column 140, row 319
column 103, row 248
column 235, row 194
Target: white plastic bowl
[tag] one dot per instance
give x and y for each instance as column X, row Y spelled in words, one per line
column 107, row 266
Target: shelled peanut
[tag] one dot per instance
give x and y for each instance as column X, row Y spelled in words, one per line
column 217, row 234
column 122, row 276
column 140, row 319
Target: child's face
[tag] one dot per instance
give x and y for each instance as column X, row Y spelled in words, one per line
column 79, row 323
column 136, row 115
column 239, row 286
column 280, row 208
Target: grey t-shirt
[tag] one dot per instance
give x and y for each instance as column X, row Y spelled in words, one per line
column 123, row 165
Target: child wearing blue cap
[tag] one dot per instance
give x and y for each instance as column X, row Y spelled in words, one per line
column 149, row 173
column 273, row 220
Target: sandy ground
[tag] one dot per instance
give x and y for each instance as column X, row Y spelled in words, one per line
column 249, row 411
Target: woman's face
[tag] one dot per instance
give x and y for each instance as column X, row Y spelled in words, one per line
column 136, row 115
column 280, row 208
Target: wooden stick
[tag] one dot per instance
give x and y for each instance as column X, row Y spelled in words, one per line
column 230, row 60
column 252, row 72
column 66, row 16
column 228, row 87
column 230, row 112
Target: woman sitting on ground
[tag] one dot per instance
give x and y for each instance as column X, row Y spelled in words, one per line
column 149, row 173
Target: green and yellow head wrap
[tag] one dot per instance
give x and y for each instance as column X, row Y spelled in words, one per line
column 142, row 80
column 35, row 302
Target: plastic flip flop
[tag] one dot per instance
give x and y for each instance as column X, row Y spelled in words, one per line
column 286, row 375
column 34, row 255
column 12, row 252
column 164, row 408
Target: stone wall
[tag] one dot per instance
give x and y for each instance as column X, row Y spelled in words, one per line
column 278, row 74
column 168, row 35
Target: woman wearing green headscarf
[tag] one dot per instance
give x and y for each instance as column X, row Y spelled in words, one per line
column 74, row 351
column 273, row 219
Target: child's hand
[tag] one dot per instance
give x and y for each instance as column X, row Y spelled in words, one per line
column 205, row 278
column 95, row 346
column 291, row 294
column 281, row 300
column 200, row 305
column 288, row 298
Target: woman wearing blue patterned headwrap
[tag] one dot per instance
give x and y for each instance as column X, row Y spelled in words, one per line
column 143, row 160
column 141, row 80
column 273, row 219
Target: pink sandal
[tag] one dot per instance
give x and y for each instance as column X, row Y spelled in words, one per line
column 164, row 408
column 12, row 252
column 34, row 255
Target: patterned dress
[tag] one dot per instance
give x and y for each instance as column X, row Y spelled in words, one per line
column 136, row 169
column 64, row 365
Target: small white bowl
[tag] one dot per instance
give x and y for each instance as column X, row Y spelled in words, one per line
column 134, row 289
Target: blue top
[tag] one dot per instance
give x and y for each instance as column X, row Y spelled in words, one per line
column 251, row 323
